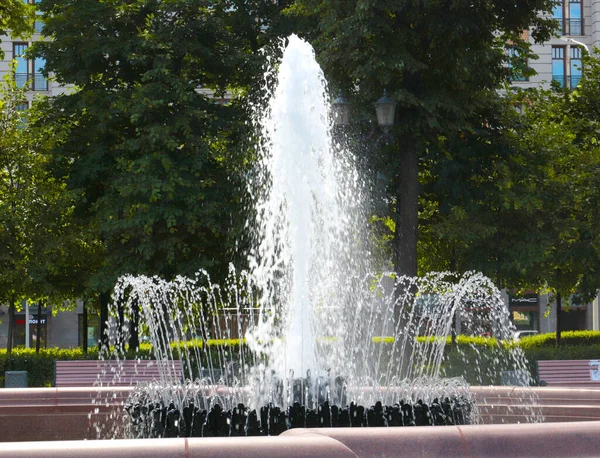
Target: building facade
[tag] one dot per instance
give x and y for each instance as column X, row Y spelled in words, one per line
column 63, row 329
column 535, row 311
column 560, row 58
column 560, row 62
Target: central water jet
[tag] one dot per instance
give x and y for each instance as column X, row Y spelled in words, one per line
column 302, row 215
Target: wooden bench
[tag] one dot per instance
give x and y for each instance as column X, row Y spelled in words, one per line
column 569, row 372
column 113, row 373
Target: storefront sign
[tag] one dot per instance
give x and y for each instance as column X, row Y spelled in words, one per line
column 526, row 300
column 32, row 320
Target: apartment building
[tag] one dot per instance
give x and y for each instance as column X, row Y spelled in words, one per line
column 28, row 72
column 560, row 58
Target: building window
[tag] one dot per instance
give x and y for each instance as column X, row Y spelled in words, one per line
column 575, row 66
column 517, row 65
column 21, row 68
column 558, row 65
column 38, row 25
column 40, row 83
column 575, row 18
column 524, row 310
column 569, row 14
column 29, row 71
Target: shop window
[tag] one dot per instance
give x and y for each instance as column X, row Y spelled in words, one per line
column 21, row 322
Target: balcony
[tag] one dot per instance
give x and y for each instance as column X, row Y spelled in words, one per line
column 38, row 83
column 571, row 81
column 571, row 27
column 21, row 79
column 560, row 79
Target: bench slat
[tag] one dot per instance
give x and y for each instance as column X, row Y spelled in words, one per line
column 131, row 372
column 572, row 372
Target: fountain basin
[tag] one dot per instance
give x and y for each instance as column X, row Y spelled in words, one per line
column 52, row 414
column 524, row 440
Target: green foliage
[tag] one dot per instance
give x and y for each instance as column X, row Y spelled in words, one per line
column 154, row 165
column 40, row 367
column 433, row 58
column 479, row 359
column 534, row 354
column 462, row 340
column 440, row 61
column 44, row 253
column 517, row 198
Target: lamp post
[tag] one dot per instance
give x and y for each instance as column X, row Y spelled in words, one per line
column 385, row 109
column 574, row 83
column 572, row 40
column 341, row 111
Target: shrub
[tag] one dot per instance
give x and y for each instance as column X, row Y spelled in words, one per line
column 569, row 338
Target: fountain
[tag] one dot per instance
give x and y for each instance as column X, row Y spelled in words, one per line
column 321, row 328
column 314, row 342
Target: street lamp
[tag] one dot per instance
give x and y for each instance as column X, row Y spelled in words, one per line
column 571, row 40
column 341, row 111
column 385, row 108
column 386, row 111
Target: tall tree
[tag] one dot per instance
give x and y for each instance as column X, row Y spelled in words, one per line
column 35, row 227
column 148, row 152
column 437, row 59
column 15, row 177
column 519, row 198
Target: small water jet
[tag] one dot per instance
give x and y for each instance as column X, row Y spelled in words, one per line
column 318, row 326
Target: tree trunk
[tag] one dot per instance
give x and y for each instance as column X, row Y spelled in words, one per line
column 103, row 340
column 558, row 320
column 134, row 333
column 407, row 209
column 84, row 325
column 11, row 326
column 38, row 329
column 405, row 244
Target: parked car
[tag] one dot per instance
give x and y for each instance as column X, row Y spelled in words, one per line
column 524, row 333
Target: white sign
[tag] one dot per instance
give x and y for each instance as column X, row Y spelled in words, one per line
column 595, row 370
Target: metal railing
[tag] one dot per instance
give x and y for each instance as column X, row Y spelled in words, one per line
column 38, row 83
column 21, row 79
column 571, row 27
column 569, row 82
column 560, row 79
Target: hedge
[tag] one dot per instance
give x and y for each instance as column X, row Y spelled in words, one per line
column 459, row 359
column 568, row 338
